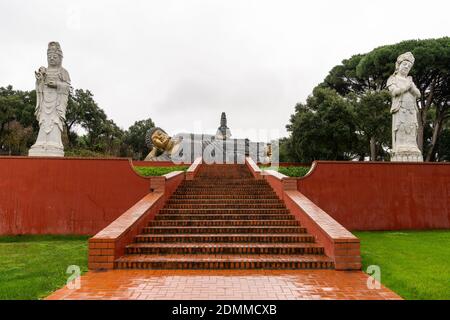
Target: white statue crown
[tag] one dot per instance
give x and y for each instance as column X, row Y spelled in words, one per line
column 54, row 47
column 407, row 56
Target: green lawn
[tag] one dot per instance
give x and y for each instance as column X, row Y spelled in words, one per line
column 414, row 264
column 31, row 267
column 158, row 171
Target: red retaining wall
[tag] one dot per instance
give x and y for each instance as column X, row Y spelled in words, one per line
column 381, row 195
column 65, row 195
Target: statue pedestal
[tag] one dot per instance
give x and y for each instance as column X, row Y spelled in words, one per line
column 41, row 151
column 406, row 156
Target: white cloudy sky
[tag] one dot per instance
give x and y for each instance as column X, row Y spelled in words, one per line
column 183, row 62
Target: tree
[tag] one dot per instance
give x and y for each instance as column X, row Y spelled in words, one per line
column 431, row 73
column 373, row 121
column 323, row 128
column 369, row 72
column 135, row 137
column 443, row 146
column 16, row 115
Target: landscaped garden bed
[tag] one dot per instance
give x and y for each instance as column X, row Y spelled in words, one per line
column 291, row 171
column 158, row 171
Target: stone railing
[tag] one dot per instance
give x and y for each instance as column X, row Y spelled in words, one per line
column 253, row 167
column 109, row 244
column 193, row 169
column 339, row 243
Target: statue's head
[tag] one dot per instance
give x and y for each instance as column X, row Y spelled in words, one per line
column 158, row 137
column 54, row 54
column 404, row 64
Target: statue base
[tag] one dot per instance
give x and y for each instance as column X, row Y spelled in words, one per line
column 405, row 156
column 45, row 151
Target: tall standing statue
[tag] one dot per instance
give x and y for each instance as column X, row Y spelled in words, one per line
column 404, row 111
column 52, row 93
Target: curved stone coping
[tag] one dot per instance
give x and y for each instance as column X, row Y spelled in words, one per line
column 316, row 165
column 193, row 169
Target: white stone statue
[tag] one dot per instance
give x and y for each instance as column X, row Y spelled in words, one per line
column 404, row 111
column 52, row 93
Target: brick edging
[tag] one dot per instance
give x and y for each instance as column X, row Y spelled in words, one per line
column 339, row 243
column 109, row 244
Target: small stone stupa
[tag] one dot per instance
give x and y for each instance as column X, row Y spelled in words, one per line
column 223, row 132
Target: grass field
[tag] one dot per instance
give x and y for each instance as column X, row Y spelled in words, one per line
column 158, row 171
column 31, row 267
column 414, row 264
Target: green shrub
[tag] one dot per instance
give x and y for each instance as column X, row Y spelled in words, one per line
column 289, row 171
column 158, row 171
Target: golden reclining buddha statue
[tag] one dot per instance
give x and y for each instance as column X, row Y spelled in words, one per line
column 219, row 148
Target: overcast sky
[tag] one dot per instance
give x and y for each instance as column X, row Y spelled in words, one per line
column 184, row 62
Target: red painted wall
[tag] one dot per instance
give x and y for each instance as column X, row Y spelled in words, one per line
column 65, row 195
column 381, row 195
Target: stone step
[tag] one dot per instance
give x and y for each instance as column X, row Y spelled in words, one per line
column 224, row 248
column 213, row 238
column 239, row 216
column 223, row 262
column 224, row 230
column 227, row 206
column 224, row 211
column 200, row 223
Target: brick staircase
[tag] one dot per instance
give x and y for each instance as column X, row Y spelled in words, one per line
column 224, row 219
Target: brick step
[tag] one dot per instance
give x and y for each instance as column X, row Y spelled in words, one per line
column 227, row 191
column 227, row 206
column 223, row 211
column 224, row 230
column 224, row 201
column 223, row 262
column 224, row 248
column 228, row 182
column 201, row 223
column 225, row 196
column 265, row 216
column 225, row 188
column 223, row 192
column 264, row 238
column 219, row 174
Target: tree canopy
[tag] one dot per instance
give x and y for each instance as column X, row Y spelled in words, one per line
column 361, row 81
column 88, row 130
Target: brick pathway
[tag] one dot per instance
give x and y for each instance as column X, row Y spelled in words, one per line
column 224, row 285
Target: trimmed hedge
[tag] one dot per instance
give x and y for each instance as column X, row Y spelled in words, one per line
column 289, row 171
column 158, row 171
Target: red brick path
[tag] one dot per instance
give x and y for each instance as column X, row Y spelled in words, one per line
column 224, row 284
